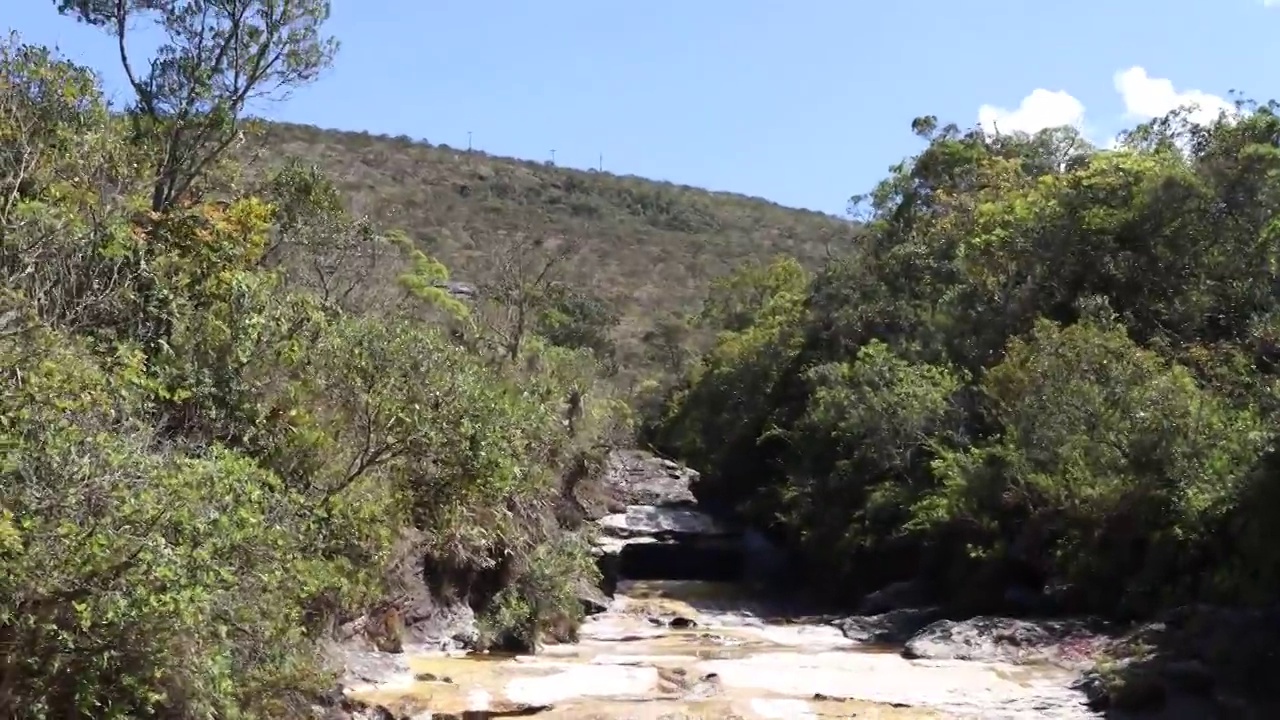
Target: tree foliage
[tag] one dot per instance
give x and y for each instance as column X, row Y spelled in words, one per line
column 218, row 56
column 215, row 431
column 1045, row 363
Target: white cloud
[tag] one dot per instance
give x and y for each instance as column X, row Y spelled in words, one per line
column 1146, row 97
column 1037, row 111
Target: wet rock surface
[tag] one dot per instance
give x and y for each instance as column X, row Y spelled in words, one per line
column 894, row 627
column 673, row 633
column 704, row 650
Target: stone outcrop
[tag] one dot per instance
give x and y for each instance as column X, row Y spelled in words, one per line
column 1071, row 643
column 653, row 529
column 635, row 477
column 893, row 627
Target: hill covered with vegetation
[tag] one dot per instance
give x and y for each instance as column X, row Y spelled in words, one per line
column 648, row 250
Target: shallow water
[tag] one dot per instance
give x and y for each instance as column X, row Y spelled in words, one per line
column 740, row 660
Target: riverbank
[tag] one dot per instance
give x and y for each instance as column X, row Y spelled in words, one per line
column 695, row 636
column 701, row 642
column 708, row 650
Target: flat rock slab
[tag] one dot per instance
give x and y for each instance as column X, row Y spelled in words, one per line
column 648, row 520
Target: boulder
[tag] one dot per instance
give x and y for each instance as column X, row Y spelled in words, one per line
column 890, row 628
column 636, row 477
column 1069, row 643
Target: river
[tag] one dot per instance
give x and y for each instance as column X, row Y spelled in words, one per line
column 642, row 659
column 680, row 637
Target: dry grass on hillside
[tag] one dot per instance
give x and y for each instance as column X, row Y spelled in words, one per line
column 651, row 248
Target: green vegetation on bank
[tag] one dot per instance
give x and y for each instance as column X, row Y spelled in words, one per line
column 1045, row 364
column 228, row 406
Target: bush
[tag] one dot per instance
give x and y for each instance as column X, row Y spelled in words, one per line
column 1045, row 365
column 220, row 410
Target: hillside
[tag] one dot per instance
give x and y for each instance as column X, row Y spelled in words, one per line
column 651, row 248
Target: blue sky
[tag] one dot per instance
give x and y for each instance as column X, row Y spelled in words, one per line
column 803, row 102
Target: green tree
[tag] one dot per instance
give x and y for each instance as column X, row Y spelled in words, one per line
column 1042, row 361
column 217, row 58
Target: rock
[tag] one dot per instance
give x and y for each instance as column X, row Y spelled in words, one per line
column 635, row 477
column 458, row 290
column 994, row 639
column 520, row 710
column 424, row 617
column 651, row 542
column 1139, row 692
column 654, row 530
column 897, row 596
column 593, row 599
column 706, row 687
column 372, row 668
column 1122, row 690
column 333, row 697
column 681, row 623
column 1207, row 653
column 466, row 636
column 1094, row 687
column 609, row 563
column 593, row 603
column 889, row 628
column 662, row 523
column 512, row 643
column 356, row 710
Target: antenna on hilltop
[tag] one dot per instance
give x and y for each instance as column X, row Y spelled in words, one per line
column 553, row 156
column 601, row 165
column 468, row 141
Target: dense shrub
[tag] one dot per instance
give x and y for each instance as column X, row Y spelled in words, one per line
column 1046, row 364
column 225, row 403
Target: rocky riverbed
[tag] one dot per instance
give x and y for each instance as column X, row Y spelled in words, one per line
column 676, row 633
column 695, row 649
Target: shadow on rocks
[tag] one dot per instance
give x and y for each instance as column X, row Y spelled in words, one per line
column 1196, row 661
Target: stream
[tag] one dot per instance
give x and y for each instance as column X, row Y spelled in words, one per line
column 683, row 646
column 642, row 659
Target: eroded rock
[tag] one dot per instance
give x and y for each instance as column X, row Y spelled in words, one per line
column 889, row 628
column 636, row 477
column 654, row 530
column 1068, row 643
